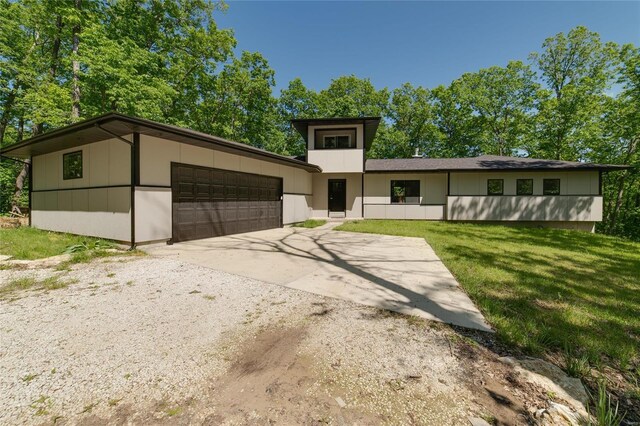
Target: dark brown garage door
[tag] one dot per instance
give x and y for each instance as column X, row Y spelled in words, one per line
column 213, row 202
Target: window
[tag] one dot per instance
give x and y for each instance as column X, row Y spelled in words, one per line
column 524, row 187
column 495, row 186
column 405, row 192
column 551, row 186
column 337, row 141
column 335, row 138
column 72, row 165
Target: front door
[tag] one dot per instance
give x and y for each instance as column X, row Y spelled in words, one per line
column 337, row 195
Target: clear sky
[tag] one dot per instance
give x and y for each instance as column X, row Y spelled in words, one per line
column 424, row 43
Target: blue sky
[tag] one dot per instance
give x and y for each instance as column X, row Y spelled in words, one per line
column 424, row 43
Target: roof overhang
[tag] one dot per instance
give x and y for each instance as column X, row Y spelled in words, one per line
column 588, row 167
column 103, row 127
column 482, row 164
column 370, row 126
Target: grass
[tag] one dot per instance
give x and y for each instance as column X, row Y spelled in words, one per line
column 542, row 289
column 31, row 243
column 29, row 282
column 605, row 411
column 309, row 223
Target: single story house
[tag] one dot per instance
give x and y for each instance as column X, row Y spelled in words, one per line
column 138, row 181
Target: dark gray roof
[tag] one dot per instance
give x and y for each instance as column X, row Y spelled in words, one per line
column 481, row 163
column 93, row 130
column 370, row 125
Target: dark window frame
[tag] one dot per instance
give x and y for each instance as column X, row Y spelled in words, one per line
column 396, row 183
column 489, row 181
column 66, row 173
column 352, row 131
column 518, row 192
column 545, row 191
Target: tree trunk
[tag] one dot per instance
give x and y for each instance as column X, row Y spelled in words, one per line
column 613, row 216
column 20, row 181
column 75, row 94
column 55, row 50
column 4, row 118
column 24, row 173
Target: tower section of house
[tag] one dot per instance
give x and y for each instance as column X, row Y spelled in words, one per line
column 338, row 146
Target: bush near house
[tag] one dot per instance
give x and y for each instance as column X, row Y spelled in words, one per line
column 564, row 294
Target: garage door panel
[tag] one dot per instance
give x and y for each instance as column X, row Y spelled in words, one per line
column 213, row 202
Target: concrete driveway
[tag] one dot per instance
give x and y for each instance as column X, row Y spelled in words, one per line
column 396, row 273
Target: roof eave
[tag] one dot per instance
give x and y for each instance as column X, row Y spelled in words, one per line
column 187, row 133
column 604, row 168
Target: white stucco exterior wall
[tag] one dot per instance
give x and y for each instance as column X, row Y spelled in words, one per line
column 571, row 183
column 84, row 206
column 153, row 205
column 377, row 196
column 337, row 160
column 320, row 203
column 579, row 199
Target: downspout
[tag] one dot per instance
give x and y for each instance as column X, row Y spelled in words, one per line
column 135, row 181
column 30, row 170
column 364, row 168
column 134, row 178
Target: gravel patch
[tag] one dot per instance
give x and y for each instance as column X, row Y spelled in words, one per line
column 141, row 340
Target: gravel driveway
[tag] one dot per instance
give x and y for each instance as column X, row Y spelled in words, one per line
column 139, row 340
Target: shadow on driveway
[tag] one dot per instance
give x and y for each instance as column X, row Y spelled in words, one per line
column 395, row 273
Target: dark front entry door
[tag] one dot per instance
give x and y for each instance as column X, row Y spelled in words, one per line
column 337, row 195
column 213, row 202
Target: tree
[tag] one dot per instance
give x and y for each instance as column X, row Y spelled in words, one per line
column 241, row 106
column 296, row 101
column 620, row 144
column 576, row 69
column 350, row 96
column 457, row 128
column 411, row 114
column 502, row 98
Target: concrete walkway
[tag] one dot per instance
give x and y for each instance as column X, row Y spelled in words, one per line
column 396, row 273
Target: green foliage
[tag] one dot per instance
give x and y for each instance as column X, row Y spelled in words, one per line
column 30, row 243
column 88, row 245
column 604, row 411
column 502, row 99
column 576, row 365
column 29, row 282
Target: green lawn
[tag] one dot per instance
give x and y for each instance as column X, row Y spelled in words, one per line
column 30, row 243
column 309, row 223
column 543, row 290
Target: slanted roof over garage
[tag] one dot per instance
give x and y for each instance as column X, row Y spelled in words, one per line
column 481, row 163
column 105, row 126
column 370, row 125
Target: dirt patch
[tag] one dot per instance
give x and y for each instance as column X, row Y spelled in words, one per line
column 13, row 222
column 270, row 382
column 505, row 398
